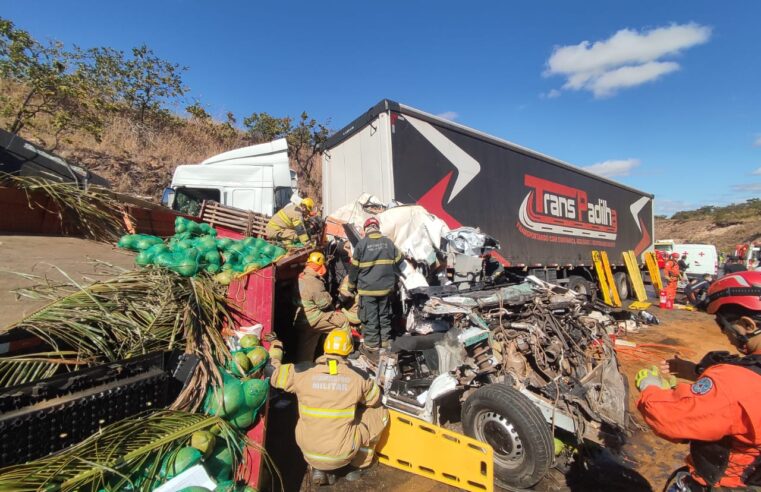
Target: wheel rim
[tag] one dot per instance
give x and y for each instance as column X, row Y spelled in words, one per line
column 503, row 437
column 580, row 288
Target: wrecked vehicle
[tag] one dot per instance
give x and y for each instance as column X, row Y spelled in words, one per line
column 530, row 365
column 524, row 365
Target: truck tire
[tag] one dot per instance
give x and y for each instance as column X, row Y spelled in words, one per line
column 515, row 428
column 622, row 284
column 579, row 285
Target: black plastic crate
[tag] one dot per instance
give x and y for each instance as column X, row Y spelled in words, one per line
column 44, row 417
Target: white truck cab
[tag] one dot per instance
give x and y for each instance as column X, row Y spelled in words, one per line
column 256, row 178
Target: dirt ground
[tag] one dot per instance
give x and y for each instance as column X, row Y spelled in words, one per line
column 43, row 256
column 645, row 462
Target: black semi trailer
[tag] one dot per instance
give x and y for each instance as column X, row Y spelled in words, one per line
column 547, row 214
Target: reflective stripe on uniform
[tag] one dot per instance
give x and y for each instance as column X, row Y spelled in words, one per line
column 282, row 377
column 328, row 413
column 371, row 393
column 327, row 458
column 284, row 217
column 368, row 264
column 374, row 293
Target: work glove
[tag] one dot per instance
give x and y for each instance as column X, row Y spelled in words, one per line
column 652, row 377
column 276, row 347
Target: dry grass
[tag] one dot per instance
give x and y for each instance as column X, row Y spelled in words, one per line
column 706, row 231
column 141, row 160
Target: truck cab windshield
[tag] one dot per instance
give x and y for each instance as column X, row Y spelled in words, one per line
column 189, row 200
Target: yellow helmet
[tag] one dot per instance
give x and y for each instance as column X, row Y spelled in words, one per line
column 338, row 342
column 307, row 203
column 316, row 258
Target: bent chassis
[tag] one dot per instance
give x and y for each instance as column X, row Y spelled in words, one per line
column 542, row 341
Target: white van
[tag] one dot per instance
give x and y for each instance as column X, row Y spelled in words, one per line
column 701, row 258
column 256, row 178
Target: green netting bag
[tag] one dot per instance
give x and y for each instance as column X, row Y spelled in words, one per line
column 128, row 241
column 180, row 225
column 224, row 242
column 205, row 243
column 145, row 241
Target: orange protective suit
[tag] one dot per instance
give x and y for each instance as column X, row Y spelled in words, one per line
column 671, row 271
column 720, row 413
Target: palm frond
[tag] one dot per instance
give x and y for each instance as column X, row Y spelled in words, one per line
column 118, row 454
column 93, row 212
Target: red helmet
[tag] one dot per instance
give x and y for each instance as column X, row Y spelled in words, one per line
column 741, row 289
column 372, row 222
column 674, row 256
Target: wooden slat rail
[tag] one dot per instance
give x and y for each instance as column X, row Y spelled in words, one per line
column 245, row 222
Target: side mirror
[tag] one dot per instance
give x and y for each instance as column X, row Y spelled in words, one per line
column 167, row 197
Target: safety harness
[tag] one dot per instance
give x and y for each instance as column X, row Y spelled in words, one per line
column 712, row 458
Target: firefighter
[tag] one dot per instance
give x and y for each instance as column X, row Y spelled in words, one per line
column 287, row 225
column 374, row 265
column 719, row 414
column 671, row 272
column 340, row 415
column 349, row 302
column 683, row 266
column 315, row 314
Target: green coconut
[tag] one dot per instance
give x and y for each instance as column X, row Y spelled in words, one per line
column 240, row 365
column 127, row 241
column 249, row 341
column 208, row 229
column 197, row 488
column 212, row 257
column 206, row 243
column 165, row 260
column 180, row 225
column 257, row 357
column 143, row 258
column 255, row 393
column 220, row 463
column 212, row 268
column 203, row 441
column 227, row 266
column 224, row 242
column 227, row 401
column 244, row 420
column 184, row 459
column 269, row 250
column 186, row 267
column 226, row 486
column 145, row 241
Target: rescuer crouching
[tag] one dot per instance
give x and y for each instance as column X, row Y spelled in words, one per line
column 340, row 415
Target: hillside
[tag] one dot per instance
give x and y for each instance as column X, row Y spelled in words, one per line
column 722, row 226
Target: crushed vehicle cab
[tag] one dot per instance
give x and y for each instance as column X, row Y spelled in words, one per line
column 530, row 363
column 519, row 363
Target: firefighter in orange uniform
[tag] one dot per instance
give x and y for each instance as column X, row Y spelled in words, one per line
column 340, row 415
column 671, row 271
column 719, row 414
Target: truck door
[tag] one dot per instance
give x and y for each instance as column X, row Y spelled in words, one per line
column 258, row 199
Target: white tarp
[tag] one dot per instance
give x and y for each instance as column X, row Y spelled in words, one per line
column 415, row 232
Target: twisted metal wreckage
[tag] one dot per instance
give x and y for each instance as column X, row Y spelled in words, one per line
column 529, row 364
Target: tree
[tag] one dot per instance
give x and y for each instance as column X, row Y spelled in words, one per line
column 50, row 83
column 305, row 140
column 148, row 82
column 262, row 127
column 197, row 111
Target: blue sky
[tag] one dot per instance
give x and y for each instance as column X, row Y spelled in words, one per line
column 664, row 96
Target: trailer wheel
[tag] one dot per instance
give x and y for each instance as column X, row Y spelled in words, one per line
column 515, row 429
column 580, row 285
column 622, row 284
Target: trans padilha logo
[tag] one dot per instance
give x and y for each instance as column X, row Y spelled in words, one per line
column 558, row 213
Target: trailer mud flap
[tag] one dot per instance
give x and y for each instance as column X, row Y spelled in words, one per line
column 433, row 452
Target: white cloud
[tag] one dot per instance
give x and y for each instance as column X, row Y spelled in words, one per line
column 626, row 59
column 664, row 206
column 757, row 141
column 613, row 168
column 757, row 172
column 448, row 115
column 747, row 188
column 552, row 94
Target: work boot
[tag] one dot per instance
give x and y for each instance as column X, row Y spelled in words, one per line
column 371, row 353
column 386, row 344
column 320, row 478
column 353, row 475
